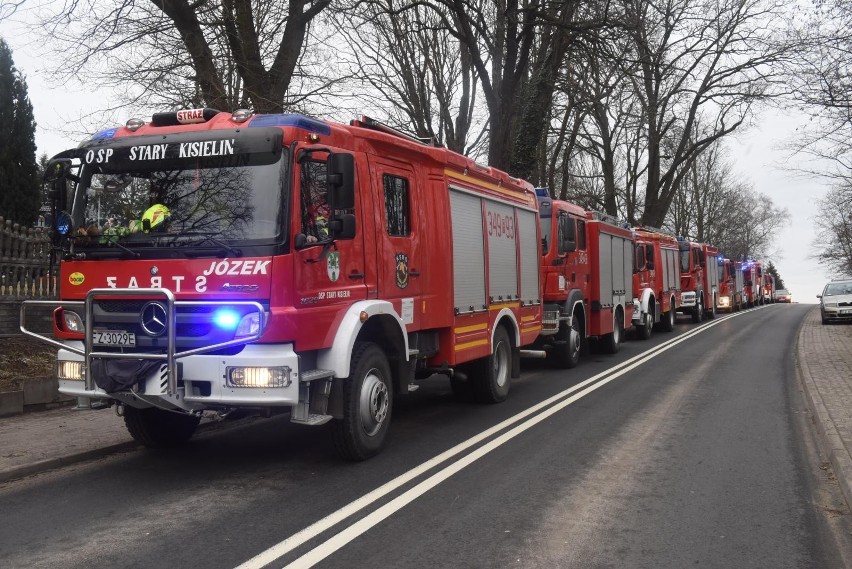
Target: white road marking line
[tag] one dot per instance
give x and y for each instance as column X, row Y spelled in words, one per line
column 336, row 542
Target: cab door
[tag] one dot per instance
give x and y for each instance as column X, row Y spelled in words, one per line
column 399, row 237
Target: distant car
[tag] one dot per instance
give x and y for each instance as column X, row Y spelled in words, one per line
column 782, row 295
column 836, row 301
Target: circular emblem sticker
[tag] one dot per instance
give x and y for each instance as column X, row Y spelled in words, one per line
column 76, row 278
column 401, row 262
column 332, row 265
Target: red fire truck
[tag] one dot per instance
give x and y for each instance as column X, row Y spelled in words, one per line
column 698, row 279
column 752, row 283
column 225, row 262
column 656, row 281
column 585, row 270
column 768, row 288
column 730, row 296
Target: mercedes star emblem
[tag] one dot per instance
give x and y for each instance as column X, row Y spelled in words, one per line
column 154, row 319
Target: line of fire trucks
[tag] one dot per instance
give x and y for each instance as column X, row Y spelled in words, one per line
column 427, row 263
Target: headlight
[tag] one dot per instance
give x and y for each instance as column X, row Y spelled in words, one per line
column 831, row 305
column 258, row 376
column 73, row 322
column 69, row 370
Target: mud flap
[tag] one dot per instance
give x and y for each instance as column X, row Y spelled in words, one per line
column 516, row 363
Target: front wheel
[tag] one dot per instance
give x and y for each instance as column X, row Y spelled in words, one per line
column 367, row 404
column 491, row 379
column 645, row 327
column 667, row 322
column 568, row 350
column 158, row 428
column 698, row 312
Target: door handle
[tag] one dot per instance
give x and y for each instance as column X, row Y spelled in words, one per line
column 354, row 275
column 414, row 273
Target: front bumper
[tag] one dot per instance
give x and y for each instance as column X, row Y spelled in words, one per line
column 837, row 314
column 201, row 381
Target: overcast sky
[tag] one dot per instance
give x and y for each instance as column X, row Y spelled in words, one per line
column 757, row 154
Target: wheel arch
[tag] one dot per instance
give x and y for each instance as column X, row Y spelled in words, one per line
column 382, row 326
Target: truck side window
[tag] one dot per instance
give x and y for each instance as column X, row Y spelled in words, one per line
column 396, row 205
column 314, row 198
column 567, row 234
column 649, row 255
column 639, row 259
column 581, row 235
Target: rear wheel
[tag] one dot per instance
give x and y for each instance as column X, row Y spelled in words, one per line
column 157, row 428
column 491, row 380
column 667, row 322
column 611, row 343
column 698, row 311
column 711, row 313
column 367, row 404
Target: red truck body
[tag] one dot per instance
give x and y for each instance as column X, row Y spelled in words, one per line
column 656, row 281
column 585, row 272
column 752, row 283
column 730, row 275
column 425, row 262
column 698, row 279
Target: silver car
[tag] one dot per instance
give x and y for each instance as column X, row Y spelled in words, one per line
column 836, row 301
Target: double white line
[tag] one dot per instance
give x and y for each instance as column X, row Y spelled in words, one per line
column 522, row 422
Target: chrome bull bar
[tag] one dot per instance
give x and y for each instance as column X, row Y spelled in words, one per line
column 169, row 357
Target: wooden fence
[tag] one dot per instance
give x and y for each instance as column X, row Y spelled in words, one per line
column 25, row 270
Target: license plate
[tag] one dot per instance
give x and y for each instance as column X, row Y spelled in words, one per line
column 846, row 312
column 114, row 338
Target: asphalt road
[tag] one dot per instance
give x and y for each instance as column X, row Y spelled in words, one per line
column 691, row 449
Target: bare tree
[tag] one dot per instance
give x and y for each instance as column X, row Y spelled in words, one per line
column 702, row 65
column 713, row 205
column 222, row 54
column 417, row 68
column 833, row 244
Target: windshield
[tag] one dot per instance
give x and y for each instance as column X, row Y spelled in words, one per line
column 838, row 288
column 128, row 203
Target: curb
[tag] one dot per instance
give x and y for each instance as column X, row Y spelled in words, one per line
column 18, row 472
column 52, row 463
column 830, row 442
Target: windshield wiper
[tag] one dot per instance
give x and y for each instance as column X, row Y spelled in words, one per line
column 122, row 247
column 217, row 242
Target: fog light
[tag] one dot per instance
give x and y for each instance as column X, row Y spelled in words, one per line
column 72, row 320
column 258, row 376
column 69, row 370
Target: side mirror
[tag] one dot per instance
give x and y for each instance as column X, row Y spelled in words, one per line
column 819, row 296
column 341, row 180
column 343, row 227
column 57, row 169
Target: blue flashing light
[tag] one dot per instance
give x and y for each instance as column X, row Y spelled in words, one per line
column 226, row 319
column 298, row 121
column 104, row 134
column 542, row 192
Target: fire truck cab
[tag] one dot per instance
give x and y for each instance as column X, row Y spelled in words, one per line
column 219, row 262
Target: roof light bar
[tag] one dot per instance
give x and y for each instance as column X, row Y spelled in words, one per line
column 186, row 116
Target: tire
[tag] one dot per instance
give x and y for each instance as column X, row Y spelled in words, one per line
column 667, row 322
column 491, row 379
column 711, row 314
column 156, row 428
column 643, row 331
column 568, row 349
column 367, row 404
column 698, row 311
column 611, row 342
